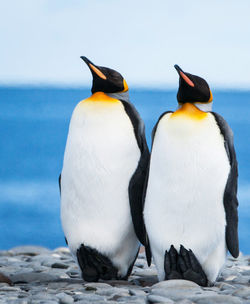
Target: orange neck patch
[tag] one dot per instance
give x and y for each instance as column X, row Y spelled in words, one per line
column 101, row 97
column 190, row 111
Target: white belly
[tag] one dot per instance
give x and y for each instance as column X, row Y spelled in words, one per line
column 184, row 200
column 100, row 157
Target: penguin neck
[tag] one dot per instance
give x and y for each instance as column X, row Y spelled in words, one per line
column 205, row 107
column 120, row 95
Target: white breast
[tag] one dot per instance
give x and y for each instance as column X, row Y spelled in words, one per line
column 188, row 173
column 101, row 156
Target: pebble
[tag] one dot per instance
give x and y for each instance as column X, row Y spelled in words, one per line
column 219, row 299
column 42, row 276
column 159, row 299
column 64, row 298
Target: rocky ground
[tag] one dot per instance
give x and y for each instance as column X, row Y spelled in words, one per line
column 50, row 277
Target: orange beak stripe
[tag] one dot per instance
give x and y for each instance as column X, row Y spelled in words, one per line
column 188, row 81
column 98, row 72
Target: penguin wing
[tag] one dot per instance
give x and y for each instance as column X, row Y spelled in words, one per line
column 230, row 195
column 137, row 181
column 59, row 182
column 146, row 240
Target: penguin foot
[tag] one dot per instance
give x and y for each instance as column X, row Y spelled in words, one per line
column 171, row 268
column 191, row 268
column 94, row 265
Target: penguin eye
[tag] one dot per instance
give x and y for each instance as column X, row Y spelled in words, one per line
column 97, row 71
column 186, row 79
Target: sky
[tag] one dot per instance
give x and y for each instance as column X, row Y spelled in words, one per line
column 42, row 41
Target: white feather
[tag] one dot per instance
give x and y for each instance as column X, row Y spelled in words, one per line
column 100, row 158
column 184, row 200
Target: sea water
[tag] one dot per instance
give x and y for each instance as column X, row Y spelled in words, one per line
column 33, row 131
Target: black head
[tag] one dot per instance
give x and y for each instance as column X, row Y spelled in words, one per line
column 104, row 79
column 192, row 88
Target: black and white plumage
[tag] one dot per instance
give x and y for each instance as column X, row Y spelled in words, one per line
column 190, row 199
column 102, row 178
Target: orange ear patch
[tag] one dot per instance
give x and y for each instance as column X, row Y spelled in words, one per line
column 211, row 97
column 98, row 72
column 188, row 81
column 125, row 86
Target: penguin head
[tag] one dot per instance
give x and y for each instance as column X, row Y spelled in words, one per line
column 192, row 88
column 105, row 80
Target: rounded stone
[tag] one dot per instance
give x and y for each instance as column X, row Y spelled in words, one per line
column 59, row 265
column 217, row 299
column 30, row 277
column 64, row 298
column 243, row 293
column 176, row 284
column 29, row 250
column 97, row 285
column 137, row 292
column 159, row 299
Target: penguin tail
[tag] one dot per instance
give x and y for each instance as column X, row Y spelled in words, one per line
column 184, row 265
column 94, row 265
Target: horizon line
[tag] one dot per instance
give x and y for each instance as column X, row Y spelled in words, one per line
column 77, row 86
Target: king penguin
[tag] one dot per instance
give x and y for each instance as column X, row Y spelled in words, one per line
column 102, row 179
column 190, row 198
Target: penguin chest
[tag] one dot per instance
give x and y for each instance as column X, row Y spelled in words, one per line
column 188, row 174
column 100, row 158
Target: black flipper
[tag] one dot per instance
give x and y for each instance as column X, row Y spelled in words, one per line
column 230, row 195
column 59, row 182
column 94, row 265
column 190, row 267
column 137, row 181
column 131, row 267
column 148, row 251
column 170, row 264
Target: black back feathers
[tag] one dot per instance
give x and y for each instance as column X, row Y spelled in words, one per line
column 192, row 88
column 104, row 79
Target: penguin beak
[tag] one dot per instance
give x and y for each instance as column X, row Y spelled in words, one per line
column 178, row 69
column 93, row 68
column 184, row 76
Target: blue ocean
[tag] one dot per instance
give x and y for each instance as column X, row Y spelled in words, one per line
column 33, row 127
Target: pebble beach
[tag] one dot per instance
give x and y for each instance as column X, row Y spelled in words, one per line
column 31, row 274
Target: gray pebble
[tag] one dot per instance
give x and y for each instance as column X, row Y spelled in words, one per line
column 88, row 298
column 226, row 286
column 64, row 298
column 159, row 299
column 137, row 292
column 112, row 291
column 52, row 277
column 240, row 279
column 243, row 293
column 97, row 285
column 132, row 300
column 224, row 299
column 185, row 301
column 176, row 284
column 9, row 289
column 29, row 250
column 44, row 302
column 59, row 265
column 30, row 277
